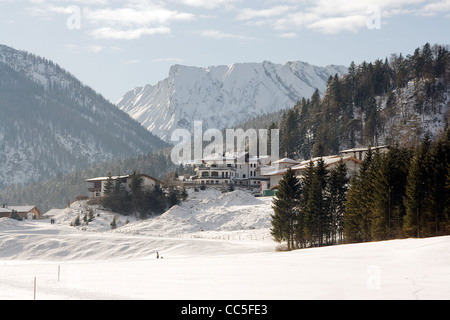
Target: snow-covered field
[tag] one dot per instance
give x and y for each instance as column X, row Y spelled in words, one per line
column 214, row 246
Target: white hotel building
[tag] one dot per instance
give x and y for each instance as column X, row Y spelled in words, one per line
column 232, row 168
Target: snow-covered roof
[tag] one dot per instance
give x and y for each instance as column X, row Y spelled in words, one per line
column 106, row 178
column 53, row 212
column 286, row 160
column 119, row 177
column 17, row 208
column 329, row 160
column 275, row 172
column 363, row 149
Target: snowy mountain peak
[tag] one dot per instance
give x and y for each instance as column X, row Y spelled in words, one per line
column 222, row 96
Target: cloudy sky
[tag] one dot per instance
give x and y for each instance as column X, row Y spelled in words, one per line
column 114, row 46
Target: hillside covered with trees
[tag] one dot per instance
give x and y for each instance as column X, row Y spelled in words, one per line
column 392, row 101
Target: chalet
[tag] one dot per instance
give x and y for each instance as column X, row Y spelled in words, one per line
column 351, row 163
column 277, row 170
column 97, row 185
column 282, row 165
column 26, row 212
column 360, row 153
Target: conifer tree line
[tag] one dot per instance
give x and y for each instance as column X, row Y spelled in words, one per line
column 309, row 211
column 139, row 201
column 404, row 192
column 358, row 108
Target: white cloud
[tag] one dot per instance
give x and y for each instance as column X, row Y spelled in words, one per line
column 129, row 34
column 133, row 19
column 338, row 24
column 128, row 20
column 169, row 60
column 431, row 9
column 247, row 13
column 332, row 16
column 134, row 16
column 134, row 61
column 288, row 35
column 91, row 48
column 208, row 4
column 217, row 34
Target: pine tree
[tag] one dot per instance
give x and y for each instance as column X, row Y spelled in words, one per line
column 317, row 213
column 439, row 195
column 417, row 192
column 351, row 219
column 15, row 215
column 113, row 223
column 109, row 186
column 357, row 214
column 184, row 194
column 76, row 222
column 389, row 190
column 337, row 192
column 289, row 134
column 136, row 188
column 285, row 206
column 91, row 215
column 303, row 229
column 136, row 184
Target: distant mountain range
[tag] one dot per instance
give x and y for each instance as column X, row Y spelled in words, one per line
column 223, row 96
column 51, row 123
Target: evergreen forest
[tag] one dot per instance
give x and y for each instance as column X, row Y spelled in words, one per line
column 404, row 192
column 392, row 101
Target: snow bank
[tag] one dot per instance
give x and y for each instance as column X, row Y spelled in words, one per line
column 209, row 211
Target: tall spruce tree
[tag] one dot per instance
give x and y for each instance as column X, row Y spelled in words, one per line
column 389, row 188
column 357, row 214
column 302, row 230
column 417, row 192
column 337, row 192
column 285, row 206
column 136, row 190
column 439, row 195
column 109, row 185
column 317, row 213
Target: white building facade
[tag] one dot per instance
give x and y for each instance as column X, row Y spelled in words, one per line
column 232, row 169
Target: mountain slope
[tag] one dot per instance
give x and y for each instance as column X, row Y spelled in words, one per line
column 52, row 123
column 395, row 101
column 222, row 96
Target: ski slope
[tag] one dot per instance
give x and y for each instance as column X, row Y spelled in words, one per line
column 214, row 246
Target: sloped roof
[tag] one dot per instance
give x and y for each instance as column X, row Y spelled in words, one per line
column 123, row 177
column 330, row 160
column 17, row 208
column 286, row 160
column 364, row 149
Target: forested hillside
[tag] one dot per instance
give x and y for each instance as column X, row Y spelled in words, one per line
column 51, row 122
column 392, row 101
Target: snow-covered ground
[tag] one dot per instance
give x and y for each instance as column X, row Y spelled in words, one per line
column 214, row 246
